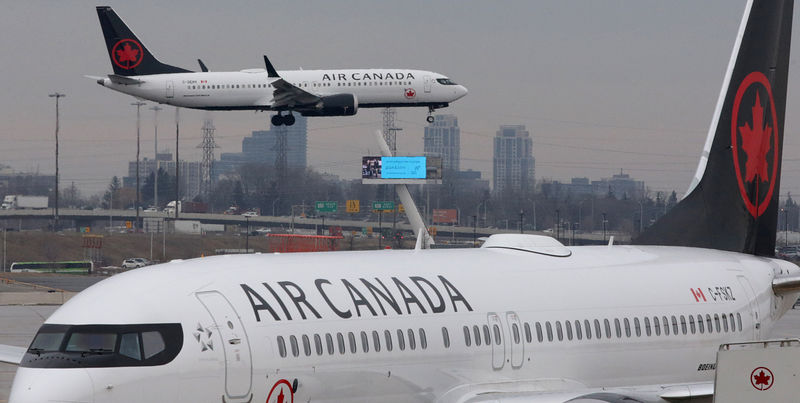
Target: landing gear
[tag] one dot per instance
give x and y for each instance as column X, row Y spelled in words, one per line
column 280, row 120
column 430, row 114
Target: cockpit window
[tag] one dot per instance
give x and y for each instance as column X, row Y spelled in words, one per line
column 94, row 346
column 445, row 81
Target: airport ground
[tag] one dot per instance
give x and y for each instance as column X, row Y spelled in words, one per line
column 20, row 321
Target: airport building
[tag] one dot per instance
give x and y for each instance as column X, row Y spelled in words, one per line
column 443, row 139
column 513, row 162
column 260, row 147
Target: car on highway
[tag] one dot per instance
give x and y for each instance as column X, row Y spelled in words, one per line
column 134, row 263
column 250, row 214
column 151, row 209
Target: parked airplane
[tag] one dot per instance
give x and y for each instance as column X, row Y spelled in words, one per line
column 308, row 92
column 522, row 319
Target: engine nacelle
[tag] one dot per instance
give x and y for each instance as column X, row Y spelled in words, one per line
column 333, row 105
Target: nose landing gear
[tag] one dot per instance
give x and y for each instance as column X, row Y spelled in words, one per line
column 280, row 120
column 430, row 114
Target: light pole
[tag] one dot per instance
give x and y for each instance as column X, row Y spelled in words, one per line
column 474, row 230
column 641, row 217
column 521, row 220
column 155, row 109
column 138, row 105
column 177, row 162
column 604, row 227
column 57, row 96
column 247, row 235
column 558, row 223
column 273, row 206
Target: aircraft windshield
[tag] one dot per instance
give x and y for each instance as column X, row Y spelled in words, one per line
column 67, row 346
column 446, row 81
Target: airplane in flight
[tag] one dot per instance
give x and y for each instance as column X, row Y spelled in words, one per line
column 521, row 319
column 137, row 72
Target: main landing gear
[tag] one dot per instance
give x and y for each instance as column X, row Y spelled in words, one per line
column 280, row 120
column 430, row 114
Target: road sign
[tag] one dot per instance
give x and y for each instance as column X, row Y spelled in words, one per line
column 128, row 224
column 326, row 206
column 432, row 231
column 383, row 205
column 353, row 206
column 400, row 208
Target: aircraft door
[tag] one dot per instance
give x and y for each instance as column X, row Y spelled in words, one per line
column 170, row 89
column 497, row 340
column 428, row 83
column 515, row 339
column 228, row 325
column 752, row 304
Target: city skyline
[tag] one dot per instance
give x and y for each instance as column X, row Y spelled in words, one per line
column 600, row 85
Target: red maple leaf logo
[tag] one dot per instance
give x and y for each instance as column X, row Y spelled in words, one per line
column 280, row 396
column 756, row 144
column 410, row 93
column 762, row 379
column 127, row 54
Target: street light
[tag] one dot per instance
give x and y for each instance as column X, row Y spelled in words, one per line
column 604, row 227
column 521, row 220
column 56, row 95
column 474, row 230
column 155, row 109
column 138, row 105
column 247, row 235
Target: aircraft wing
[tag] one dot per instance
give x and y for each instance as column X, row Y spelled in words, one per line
column 11, row 354
column 286, row 94
column 551, row 391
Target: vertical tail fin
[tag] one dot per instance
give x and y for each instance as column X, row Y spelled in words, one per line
column 129, row 57
column 732, row 203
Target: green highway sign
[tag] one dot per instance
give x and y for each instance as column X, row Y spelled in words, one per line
column 326, row 206
column 383, row 205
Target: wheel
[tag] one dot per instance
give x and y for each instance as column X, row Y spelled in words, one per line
column 288, row 120
column 429, row 119
column 277, row 120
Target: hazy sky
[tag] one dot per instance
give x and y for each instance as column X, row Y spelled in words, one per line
column 601, row 85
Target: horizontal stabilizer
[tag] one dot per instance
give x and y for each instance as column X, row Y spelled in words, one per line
column 11, row 354
column 117, row 79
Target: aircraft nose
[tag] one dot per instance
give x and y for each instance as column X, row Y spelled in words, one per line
column 37, row 385
column 461, row 91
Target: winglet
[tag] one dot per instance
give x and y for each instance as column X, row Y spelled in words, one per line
column 270, row 70
column 203, row 67
column 11, row 354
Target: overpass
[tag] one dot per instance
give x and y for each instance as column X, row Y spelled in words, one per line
column 101, row 218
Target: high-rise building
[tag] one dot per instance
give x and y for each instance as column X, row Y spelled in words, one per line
column 513, row 160
column 259, row 147
column 190, row 173
column 443, row 138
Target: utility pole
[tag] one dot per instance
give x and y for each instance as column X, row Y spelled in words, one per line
column 155, row 109
column 56, row 95
column 138, row 105
column 474, row 231
column 177, row 163
column 521, row 220
column 604, row 227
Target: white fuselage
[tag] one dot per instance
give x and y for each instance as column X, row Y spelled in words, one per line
column 252, row 89
column 492, row 319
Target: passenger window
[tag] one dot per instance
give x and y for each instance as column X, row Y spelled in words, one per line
column 486, row 335
column 568, row 327
column 617, row 328
column 376, row 341
column 401, row 341
column 588, row 327
column 329, row 343
column 539, row 335
column 318, row 344
column 709, row 324
column 578, row 332
column 739, row 320
column 515, row 333
column 497, row 334
column 627, row 324
column 467, row 337
column 700, row 326
column 656, row 325
column 608, row 328
column 598, row 331
column 559, row 331
column 281, row 346
column 683, row 324
column 152, row 344
column 665, row 322
column 647, row 329
column 423, row 340
column 691, row 324
column 129, row 346
column 306, row 346
column 445, row 337
column 724, row 323
column 674, row 325
column 637, row 326
column 733, row 322
column 549, row 329
column 388, row 336
column 364, row 342
column 352, row 339
column 716, row 322
column 528, row 336
column 340, row 340
column 477, row 332
column 293, row 343
column 412, row 343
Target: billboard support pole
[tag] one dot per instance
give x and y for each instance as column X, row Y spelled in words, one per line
column 420, row 229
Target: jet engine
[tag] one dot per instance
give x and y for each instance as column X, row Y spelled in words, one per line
column 333, row 105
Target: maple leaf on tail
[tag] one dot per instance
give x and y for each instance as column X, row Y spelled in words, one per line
column 761, row 378
column 127, row 54
column 755, row 143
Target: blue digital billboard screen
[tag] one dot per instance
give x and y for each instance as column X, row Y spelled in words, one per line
column 403, row 168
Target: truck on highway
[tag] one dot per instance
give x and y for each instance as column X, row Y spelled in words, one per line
column 13, row 202
column 186, row 207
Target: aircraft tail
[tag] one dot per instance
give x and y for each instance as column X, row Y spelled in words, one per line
column 732, row 203
column 129, row 56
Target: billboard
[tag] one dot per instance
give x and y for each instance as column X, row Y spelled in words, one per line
column 445, row 216
column 401, row 170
